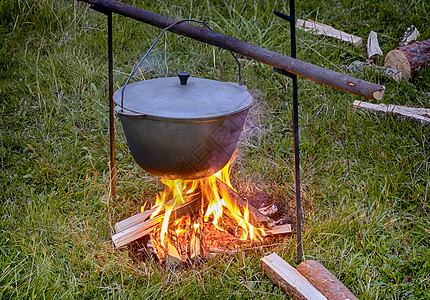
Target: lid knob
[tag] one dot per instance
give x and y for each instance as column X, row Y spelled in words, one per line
column 183, row 77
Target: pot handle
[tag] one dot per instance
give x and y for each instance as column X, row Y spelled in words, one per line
column 156, row 40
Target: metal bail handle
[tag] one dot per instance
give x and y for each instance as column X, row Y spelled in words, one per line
column 152, row 46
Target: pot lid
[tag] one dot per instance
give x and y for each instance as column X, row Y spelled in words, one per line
column 168, row 98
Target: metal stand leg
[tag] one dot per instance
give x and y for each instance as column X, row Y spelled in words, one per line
column 292, row 19
column 111, row 108
column 108, row 13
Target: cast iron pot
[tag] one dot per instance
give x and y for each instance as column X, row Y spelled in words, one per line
column 180, row 130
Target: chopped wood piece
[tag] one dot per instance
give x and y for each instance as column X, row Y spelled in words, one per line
column 138, row 218
column 418, row 113
column 131, row 234
column 324, row 281
column 410, row 58
column 322, row 29
column 256, row 218
column 280, row 229
column 288, row 278
column 133, row 220
column 373, row 45
column 410, row 35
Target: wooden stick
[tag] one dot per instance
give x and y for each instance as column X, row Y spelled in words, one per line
column 133, row 220
column 323, row 29
column 324, row 281
column 418, row 113
column 281, row 61
column 255, row 217
column 288, row 278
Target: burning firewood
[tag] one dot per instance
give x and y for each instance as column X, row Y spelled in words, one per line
column 255, row 217
column 135, row 232
column 203, row 217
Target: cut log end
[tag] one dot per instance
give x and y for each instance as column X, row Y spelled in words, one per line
column 410, row 58
column 378, row 95
column 396, row 59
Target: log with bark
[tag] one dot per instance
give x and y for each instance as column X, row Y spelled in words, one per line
column 410, row 58
column 324, row 281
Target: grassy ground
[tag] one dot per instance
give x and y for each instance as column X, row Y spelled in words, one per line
column 365, row 177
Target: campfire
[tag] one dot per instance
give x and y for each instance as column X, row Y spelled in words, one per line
column 197, row 218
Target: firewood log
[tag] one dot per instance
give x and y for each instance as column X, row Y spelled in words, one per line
column 324, row 281
column 410, row 58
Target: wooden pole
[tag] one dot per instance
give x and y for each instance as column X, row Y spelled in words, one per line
column 278, row 60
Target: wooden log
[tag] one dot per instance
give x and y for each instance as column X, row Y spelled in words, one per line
column 324, row 281
column 418, row 113
column 256, row 218
column 409, row 58
column 272, row 58
column 288, row 278
column 191, row 207
column 326, row 30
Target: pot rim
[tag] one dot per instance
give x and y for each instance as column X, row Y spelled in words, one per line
column 165, row 99
column 123, row 112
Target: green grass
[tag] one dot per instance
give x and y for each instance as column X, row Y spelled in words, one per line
column 365, row 177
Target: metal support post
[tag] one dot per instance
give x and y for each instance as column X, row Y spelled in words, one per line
column 292, row 20
column 108, row 13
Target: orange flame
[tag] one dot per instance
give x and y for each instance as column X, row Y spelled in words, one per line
column 218, row 202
